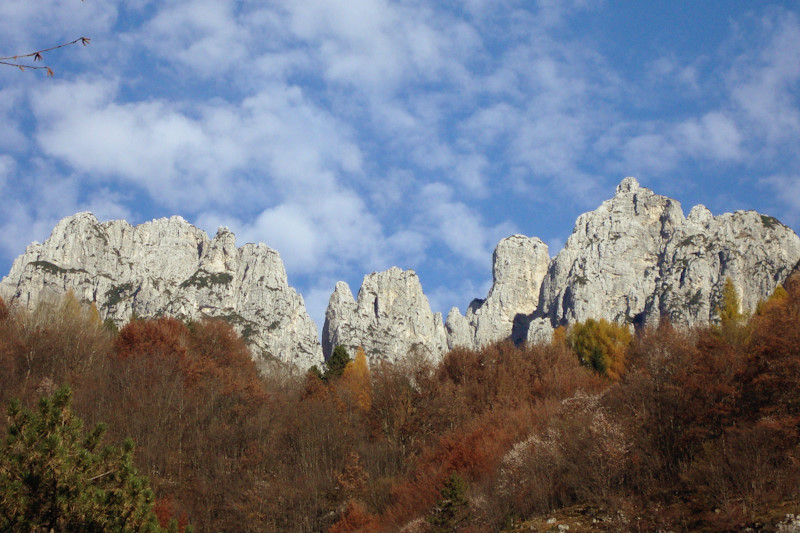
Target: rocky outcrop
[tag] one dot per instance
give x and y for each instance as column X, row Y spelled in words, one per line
column 609, row 266
column 756, row 251
column 390, row 320
column 519, row 264
column 169, row 267
column 634, row 260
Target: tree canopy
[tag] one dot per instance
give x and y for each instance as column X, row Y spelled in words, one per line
column 55, row 476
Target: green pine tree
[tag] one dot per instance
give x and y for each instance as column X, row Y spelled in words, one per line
column 55, row 476
column 453, row 509
column 337, row 362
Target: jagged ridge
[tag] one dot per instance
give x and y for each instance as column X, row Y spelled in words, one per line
column 169, row 267
column 634, row 259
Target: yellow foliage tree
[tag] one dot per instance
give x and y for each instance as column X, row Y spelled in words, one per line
column 357, row 380
column 731, row 318
column 559, row 337
column 730, row 306
column 94, row 315
column 778, row 296
column 601, row 345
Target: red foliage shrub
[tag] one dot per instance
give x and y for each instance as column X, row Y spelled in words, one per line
column 160, row 338
column 474, row 451
column 355, row 519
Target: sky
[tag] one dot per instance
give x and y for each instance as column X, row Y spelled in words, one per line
column 352, row 136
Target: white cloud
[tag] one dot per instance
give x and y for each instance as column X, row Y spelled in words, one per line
column 715, row 135
column 7, row 167
column 407, row 247
column 206, row 156
column 787, row 192
column 457, row 226
column 203, row 35
column 12, row 138
column 755, row 118
column 764, row 82
column 668, row 70
column 327, row 230
column 661, row 147
column 28, row 26
column 355, row 135
column 375, row 45
column 288, row 229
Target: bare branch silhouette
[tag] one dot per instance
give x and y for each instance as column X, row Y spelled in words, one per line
column 14, row 61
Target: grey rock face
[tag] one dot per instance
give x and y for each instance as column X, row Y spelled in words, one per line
column 519, row 265
column 169, row 267
column 633, row 260
column 610, row 264
column 756, row 251
column 391, row 319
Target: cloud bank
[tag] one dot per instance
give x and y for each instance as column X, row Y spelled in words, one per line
column 353, row 136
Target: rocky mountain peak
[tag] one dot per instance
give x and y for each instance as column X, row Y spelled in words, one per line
column 169, row 267
column 627, row 185
column 519, row 264
column 700, row 215
column 390, row 319
column 636, row 259
column 221, row 254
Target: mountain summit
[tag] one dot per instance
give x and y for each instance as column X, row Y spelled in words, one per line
column 169, row 267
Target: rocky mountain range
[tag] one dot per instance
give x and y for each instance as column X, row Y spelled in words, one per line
column 634, row 259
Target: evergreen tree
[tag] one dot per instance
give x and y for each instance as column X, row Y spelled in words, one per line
column 54, row 476
column 453, row 508
column 337, row 362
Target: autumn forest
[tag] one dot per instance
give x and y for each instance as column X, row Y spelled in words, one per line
column 662, row 429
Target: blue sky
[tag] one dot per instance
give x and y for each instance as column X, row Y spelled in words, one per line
column 353, row 136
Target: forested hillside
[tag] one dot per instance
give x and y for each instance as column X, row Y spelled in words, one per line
column 667, row 429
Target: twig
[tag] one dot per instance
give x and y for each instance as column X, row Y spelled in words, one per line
column 13, row 61
column 101, row 475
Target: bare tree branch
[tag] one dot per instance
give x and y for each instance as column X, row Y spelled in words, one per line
column 13, row 61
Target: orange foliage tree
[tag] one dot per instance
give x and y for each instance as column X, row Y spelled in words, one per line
column 357, row 382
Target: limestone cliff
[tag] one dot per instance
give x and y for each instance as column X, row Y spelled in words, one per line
column 609, row 266
column 519, row 264
column 169, row 267
column 391, row 319
column 635, row 259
